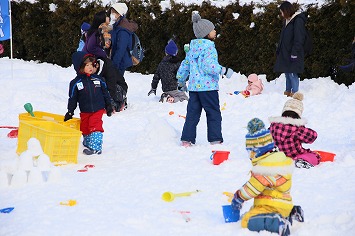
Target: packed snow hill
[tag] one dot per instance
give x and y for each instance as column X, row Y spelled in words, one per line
column 120, row 191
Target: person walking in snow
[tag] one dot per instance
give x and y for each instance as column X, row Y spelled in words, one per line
column 255, row 86
column 289, row 132
column 290, row 51
column 270, row 185
column 84, row 30
column 203, row 70
column 121, row 37
column 166, row 72
column 90, row 91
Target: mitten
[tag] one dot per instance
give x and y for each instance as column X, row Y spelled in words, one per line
column 237, row 203
column 110, row 108
column 293, row 58
column 68, row 116
column 152, row 91
column 227, row 72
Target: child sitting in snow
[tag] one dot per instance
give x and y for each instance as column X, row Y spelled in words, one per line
column 255, row 86
column 166, row 72
column 289, row 132
column 269, row 185
column 90, row 91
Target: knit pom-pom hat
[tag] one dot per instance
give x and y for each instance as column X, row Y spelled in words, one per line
column 258, row 139
column 171, row 48
column 201, row 27
column 295, row 104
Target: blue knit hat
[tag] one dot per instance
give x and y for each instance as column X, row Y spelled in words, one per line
column 171, row 48
column 258, row 139
column 85, row 27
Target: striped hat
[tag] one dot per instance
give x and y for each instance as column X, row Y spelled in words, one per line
column 258, row 139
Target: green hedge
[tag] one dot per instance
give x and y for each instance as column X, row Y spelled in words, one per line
column 247, row 43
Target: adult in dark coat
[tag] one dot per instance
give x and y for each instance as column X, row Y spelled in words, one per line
column 121, row 37
column 116, row 83
column 290, row 51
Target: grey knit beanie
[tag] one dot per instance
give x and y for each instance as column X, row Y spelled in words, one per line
column 201, row 27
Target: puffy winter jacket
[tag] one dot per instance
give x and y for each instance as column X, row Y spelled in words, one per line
column 270, row 184
column 201, row 65
column 289, row 134
column 90, row 91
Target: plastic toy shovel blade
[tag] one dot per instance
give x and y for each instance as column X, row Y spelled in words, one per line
column 6, row 210
column 229, row 214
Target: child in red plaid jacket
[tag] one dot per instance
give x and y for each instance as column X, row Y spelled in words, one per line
column 289, row 132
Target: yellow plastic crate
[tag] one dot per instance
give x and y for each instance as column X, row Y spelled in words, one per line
column 59, row 142
column 45, row 116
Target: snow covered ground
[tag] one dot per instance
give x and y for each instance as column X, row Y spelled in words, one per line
column 142, row 159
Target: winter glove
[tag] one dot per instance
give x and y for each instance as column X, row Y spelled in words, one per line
column 110, row 108
column 152, row 91
column 182, row 87
column 227, row 72
column 237, row 203
column 236, row 92
column 68, row 116
column 293, row 58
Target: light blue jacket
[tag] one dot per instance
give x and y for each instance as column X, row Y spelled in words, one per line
column 201, row 66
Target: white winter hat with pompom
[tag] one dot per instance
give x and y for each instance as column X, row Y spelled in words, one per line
column 201, row 27
column 295, row 104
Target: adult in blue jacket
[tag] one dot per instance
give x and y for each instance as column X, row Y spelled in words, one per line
column 290, row 51
column 121, row 37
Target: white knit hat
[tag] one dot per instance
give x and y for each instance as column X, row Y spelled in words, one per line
column 121, row 8
column 295, row 104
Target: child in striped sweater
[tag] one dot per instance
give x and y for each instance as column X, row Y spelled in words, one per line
column 269, row 185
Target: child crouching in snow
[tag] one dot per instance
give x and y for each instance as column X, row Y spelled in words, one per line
column 269, row 185
column 289, row 132
column 166, row 72
column 90, row 91
column 255, row 86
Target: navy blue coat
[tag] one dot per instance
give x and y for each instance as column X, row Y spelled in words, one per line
column 121, row 45
column 90, row 91
column 291, row 43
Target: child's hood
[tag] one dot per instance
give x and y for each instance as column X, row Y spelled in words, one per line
column 288, row 120
column 78, row 58
column 272, row 164
column 198, row 46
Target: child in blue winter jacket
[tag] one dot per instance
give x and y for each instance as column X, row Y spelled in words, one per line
column 203, row 70
column 90, row 91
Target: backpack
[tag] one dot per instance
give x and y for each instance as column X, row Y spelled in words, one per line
column 137, row 52
column 308, row 43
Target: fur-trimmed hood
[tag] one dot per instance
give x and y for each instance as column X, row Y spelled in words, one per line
column 288, row 120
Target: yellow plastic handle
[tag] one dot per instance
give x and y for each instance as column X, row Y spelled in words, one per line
column 229, row 195
column 68, row 203
column 169, row 196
